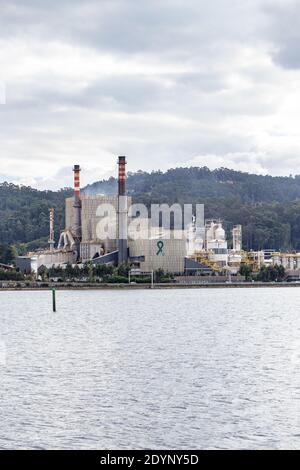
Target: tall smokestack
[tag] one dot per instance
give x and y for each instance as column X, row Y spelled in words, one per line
column 122, row 212
column 122, row 176
column 51, row 226
column 77, row 171
column 77, row 209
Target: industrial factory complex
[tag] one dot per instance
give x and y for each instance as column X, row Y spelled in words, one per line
column 99, row 230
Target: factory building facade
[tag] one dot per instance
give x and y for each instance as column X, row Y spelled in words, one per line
column 165, row 250
column 163, row 253
column 93, row 213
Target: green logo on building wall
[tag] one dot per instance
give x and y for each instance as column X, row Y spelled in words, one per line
column 160, row 246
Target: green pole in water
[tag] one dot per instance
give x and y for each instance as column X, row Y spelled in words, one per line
column 53, row 300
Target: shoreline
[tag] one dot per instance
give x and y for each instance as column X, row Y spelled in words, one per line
column 75, row 286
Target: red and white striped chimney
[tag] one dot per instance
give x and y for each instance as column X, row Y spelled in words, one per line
column 77, row 171
column 122, row 213
column 122, row 175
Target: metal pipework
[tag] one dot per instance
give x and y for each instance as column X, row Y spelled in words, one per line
column 122, row 212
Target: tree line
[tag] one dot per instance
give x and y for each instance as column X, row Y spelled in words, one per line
column 102, row 273
column 267, row 207
column 266, row 273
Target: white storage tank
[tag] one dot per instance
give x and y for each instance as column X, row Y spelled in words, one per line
column 219, row 232
column 210, row 232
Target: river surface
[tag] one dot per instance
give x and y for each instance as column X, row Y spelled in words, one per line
column 172, row 369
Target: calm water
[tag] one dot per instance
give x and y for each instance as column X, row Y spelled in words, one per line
column 150, row 369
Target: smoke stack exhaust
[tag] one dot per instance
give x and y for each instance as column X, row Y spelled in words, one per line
column 51, row 226
column 122, row 212
column 77, row 209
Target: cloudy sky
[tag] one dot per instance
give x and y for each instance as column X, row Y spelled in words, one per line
column 166, row 82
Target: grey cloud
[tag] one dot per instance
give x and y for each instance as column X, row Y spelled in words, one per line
column 128, row 26
column 194, row 80
column 283, row 31
column 193, row 96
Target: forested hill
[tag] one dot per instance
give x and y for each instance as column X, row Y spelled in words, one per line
column 24, row 216
column 267, row 207
column 193, row 184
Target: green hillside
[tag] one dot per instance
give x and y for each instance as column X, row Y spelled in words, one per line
column 24, row 217
column 194, row 184
column 267, row 207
